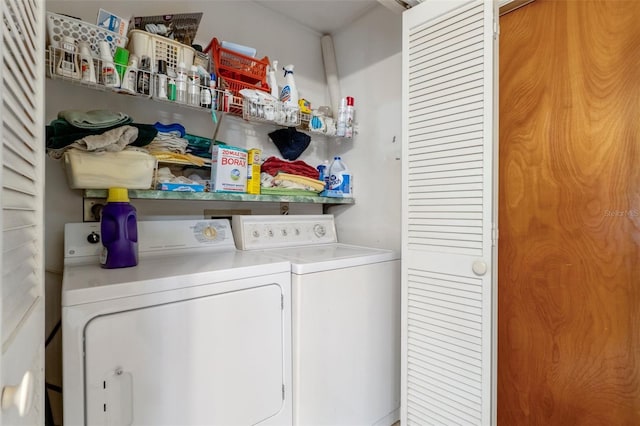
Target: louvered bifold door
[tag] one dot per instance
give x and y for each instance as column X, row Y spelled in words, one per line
column 22, row 185
column 448, row 276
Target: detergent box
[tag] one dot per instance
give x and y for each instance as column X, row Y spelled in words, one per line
column 228, row 169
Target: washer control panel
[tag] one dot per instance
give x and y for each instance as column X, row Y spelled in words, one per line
column 271, row 231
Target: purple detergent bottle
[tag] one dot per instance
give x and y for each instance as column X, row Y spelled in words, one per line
column 119, row 230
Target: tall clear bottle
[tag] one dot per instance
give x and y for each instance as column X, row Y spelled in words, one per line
column 193, row 89
column 160, row 84
column 181, row 84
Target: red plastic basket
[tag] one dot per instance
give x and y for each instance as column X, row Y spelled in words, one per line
column 236, row 67
column 235, row 85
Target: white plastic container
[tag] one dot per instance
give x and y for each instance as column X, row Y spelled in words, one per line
column 159, row 47
column 340, row 182
column 102, row 170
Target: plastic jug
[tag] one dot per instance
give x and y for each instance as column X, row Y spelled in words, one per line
column 340, row 180
column 119, row 230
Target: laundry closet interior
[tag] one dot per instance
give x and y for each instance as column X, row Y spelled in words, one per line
column 368, row 70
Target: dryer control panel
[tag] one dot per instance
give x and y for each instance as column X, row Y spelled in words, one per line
column 258, row 232
column 82, row 241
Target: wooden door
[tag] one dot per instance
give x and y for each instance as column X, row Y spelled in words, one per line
column 569, row 214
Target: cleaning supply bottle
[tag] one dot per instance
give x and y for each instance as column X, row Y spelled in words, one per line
column 67, row 65
column 340, row 180
column 323, row 176
column 350, row 118
column 119, row 231
column 143, row 82
column 289, row 93
column 181, row 84
column 273, row 83
column 87, row 68
column 205, row 92
column 120, row 60
column 171, row 88
column 110, row 77
column 130, row 75
column 193, row 90
column 160, row 83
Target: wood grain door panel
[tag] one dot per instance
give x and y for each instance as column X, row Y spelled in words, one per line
column 569, row 214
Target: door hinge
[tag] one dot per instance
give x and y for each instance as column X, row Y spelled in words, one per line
column 282, row 302
column 494, row 236
column 283, row 391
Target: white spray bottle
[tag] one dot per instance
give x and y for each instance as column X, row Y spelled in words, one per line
column 289, row 93
column 273, row 83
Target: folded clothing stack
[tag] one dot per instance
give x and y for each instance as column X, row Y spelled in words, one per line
column 281, row 177
column 95, row 131
column 170, row 145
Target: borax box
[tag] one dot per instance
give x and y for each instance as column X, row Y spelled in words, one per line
column 228, row 169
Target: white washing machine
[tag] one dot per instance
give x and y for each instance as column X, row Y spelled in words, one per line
column 345, row 315
column 197, row 333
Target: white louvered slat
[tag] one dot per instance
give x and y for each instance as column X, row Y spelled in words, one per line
column 22, row 191
column 448, row 92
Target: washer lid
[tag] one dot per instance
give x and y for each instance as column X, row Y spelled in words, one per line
column 86, row 283
column 325, row 257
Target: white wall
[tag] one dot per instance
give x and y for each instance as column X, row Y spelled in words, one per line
column 369, row 57
column 369, row 65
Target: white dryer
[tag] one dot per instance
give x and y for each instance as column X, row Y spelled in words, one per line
column 197, row 333
column 345, row 315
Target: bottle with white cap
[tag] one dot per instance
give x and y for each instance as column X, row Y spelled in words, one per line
column 87, row 68
column 340, row 182
column 67, row 65
column 289, row 93
column 110, row 77
column 350, row 113
column 193, row 91
column 130, row 78
column 181, row 84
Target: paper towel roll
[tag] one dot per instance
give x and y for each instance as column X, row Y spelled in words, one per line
column 331, row 71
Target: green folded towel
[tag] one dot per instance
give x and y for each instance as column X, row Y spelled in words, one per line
column 95, row 119
column 288, row 191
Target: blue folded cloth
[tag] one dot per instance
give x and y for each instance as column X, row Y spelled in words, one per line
column 170, row 128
